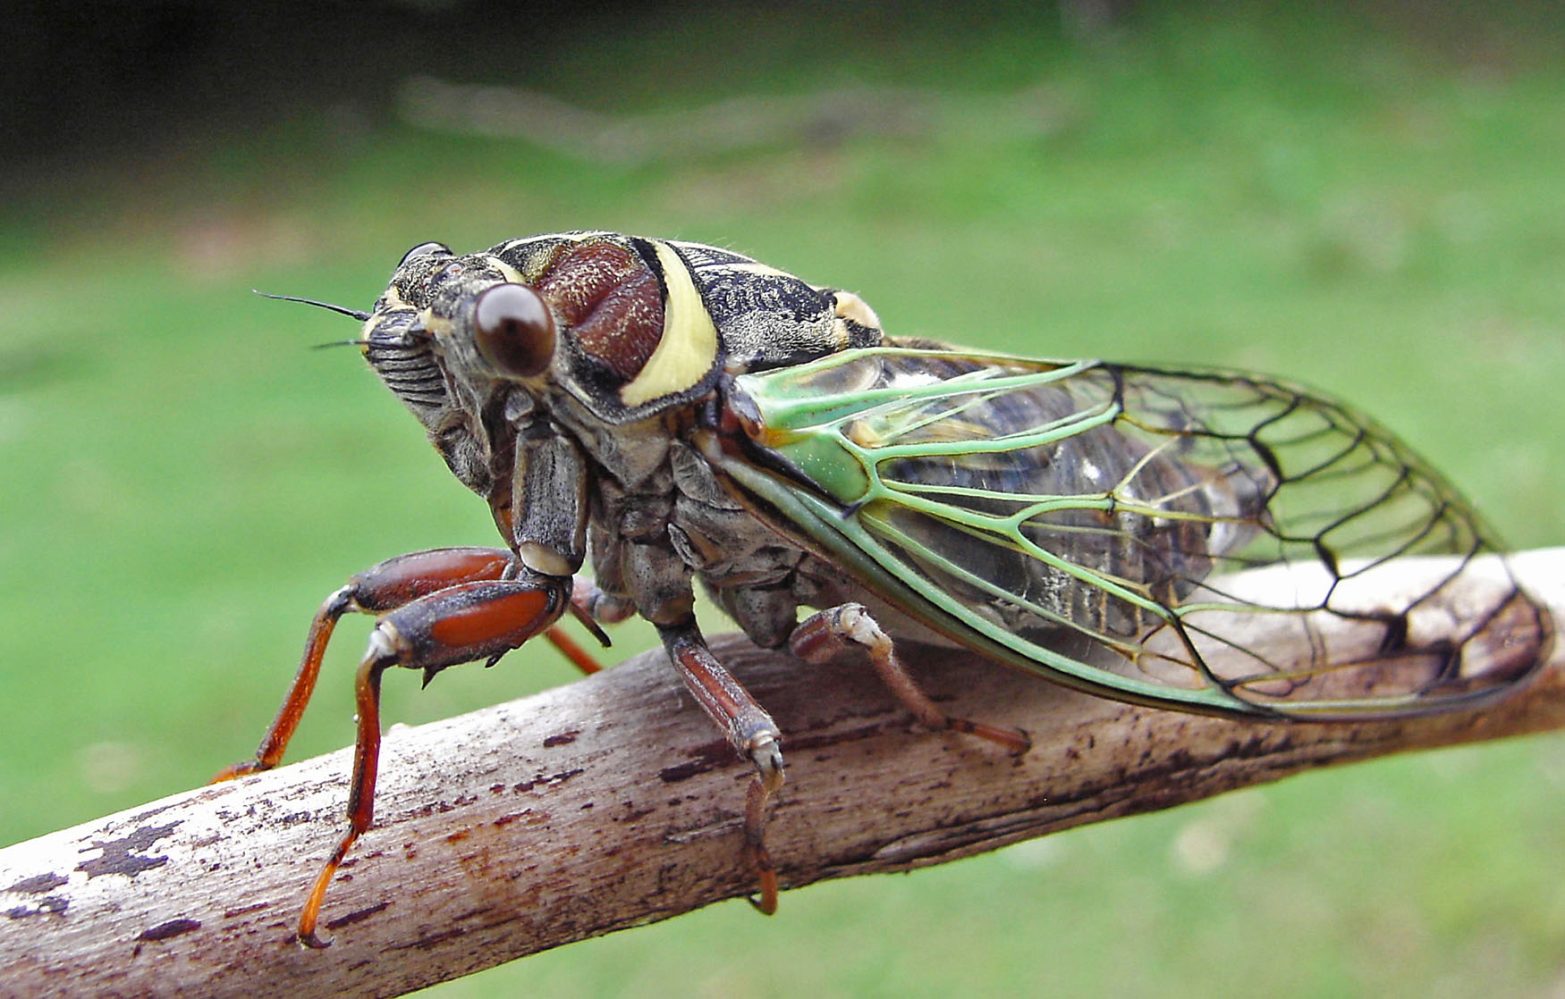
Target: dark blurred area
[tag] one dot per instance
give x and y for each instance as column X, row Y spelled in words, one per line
column 91, row 81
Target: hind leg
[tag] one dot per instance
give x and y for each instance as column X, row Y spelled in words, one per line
column 824, row 634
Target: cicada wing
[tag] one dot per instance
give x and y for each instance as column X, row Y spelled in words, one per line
column 1021, row 506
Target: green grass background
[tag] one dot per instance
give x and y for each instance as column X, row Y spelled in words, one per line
column 1369, row 199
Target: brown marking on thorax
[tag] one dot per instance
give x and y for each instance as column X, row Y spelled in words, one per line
column 611, row 302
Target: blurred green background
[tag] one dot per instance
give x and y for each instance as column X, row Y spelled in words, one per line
column 1368, row 197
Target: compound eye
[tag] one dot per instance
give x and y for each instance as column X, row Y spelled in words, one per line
column 513, row 330
column 423, row 250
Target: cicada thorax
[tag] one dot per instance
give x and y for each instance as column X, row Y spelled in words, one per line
column 647, row 324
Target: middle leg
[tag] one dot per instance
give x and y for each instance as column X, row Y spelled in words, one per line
column 749, row 729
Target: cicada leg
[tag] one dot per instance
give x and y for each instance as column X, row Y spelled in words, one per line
column 383, row 587
column 592, row 607
column 823, row 634
column 749, row 729
column 444, row 606
column 461, row 623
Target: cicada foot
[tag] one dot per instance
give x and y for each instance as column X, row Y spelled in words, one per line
column 758, row 797
column 361, row 798
column 750, row 730
column 824, row 634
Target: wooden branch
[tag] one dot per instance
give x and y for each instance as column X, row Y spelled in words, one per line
column 611, row 802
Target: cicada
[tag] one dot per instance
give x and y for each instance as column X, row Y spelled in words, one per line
column 677, row 413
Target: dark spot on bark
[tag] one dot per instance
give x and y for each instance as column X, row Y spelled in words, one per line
column 147, row 814
column 682, row 771
column 124, row 855
column 46, row 905
column 38, row 883
column 632, row 813
column 243, row 909
column 1179, row 759
column 424, row 811
column 459, row 835
column 707, row 756
column 356, row 916
column 434, row 940
column 172, row 928
column 563, row 739
column 546, row 780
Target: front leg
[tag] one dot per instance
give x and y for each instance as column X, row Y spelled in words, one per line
column 386, row 586
column 749, row 729
column 458, row 624
column 445, row 606
column 382, row 587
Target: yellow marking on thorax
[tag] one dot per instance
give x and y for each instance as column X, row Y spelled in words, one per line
column 512, row 275
column 688, row 348
column 850, row 306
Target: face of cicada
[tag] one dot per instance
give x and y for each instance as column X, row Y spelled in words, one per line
column 607, row 329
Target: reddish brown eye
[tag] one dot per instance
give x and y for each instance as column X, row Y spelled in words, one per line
column 513, row 330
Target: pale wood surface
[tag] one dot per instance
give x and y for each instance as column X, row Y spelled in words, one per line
column 612, row 802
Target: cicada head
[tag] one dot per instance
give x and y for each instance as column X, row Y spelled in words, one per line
column 451, row 340
column 628, row 327
column 612, row 320
column 615, row 329
column 474, row 344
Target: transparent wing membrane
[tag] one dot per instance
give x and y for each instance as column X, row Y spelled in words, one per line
column 1088, row 520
